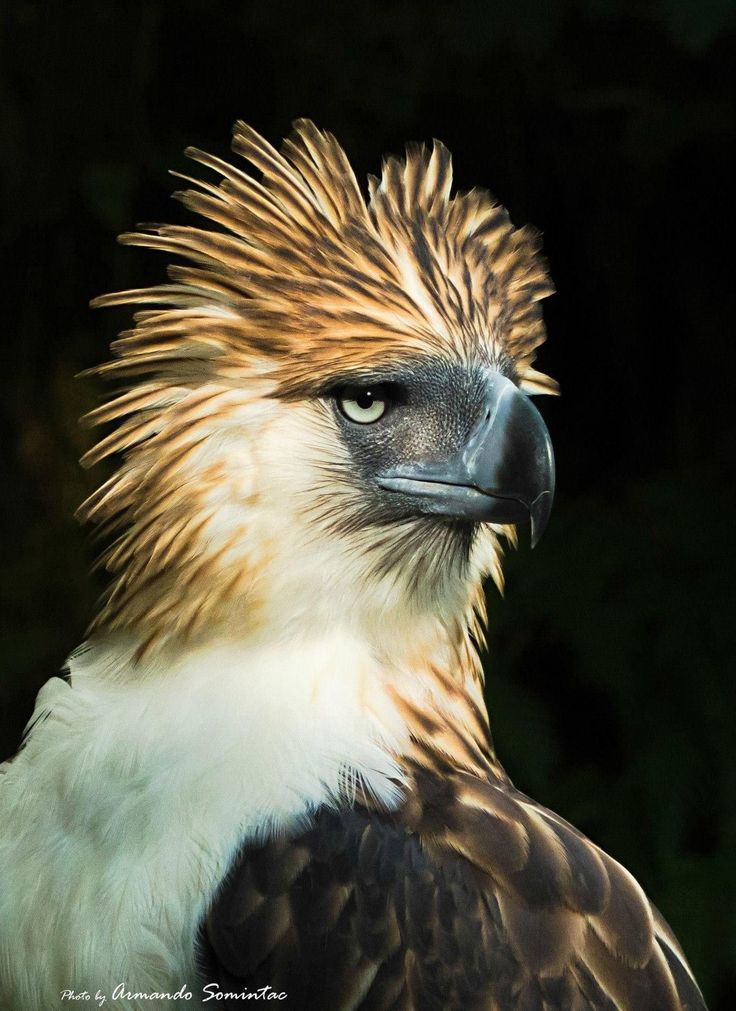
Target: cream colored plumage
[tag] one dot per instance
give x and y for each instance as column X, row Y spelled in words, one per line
column 286, row 642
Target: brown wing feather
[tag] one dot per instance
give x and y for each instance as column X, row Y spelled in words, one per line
column 471, row 896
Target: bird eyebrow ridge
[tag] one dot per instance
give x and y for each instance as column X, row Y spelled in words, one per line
column 329, row 387
column 395, row 373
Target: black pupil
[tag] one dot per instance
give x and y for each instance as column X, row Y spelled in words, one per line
column 365, row 399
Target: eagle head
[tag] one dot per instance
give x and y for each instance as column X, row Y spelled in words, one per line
column 324, row 413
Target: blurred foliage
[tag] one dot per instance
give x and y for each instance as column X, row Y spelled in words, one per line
column 608, row 123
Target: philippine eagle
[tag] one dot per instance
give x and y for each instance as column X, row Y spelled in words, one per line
column 269, row 765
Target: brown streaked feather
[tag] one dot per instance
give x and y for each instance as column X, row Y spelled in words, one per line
column 468, row 896
column 298, row 278
column 288, row 246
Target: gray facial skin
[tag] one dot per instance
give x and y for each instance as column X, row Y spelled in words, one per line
column 458, row 442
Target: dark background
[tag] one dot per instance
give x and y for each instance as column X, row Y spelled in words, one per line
column 607, row 123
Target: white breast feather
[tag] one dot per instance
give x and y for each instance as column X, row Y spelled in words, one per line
column 132, row 794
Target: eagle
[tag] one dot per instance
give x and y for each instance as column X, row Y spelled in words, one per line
column 268, row 773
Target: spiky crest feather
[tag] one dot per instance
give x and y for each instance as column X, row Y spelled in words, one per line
column 305, row 282
column 316, row 281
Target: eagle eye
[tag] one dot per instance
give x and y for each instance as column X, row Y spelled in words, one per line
column 363, row 404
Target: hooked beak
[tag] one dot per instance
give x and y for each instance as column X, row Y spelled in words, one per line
column 505, row 472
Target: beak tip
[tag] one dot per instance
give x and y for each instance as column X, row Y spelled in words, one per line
column 539, row 514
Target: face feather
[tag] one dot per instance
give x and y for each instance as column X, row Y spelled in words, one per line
column 302, row 282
